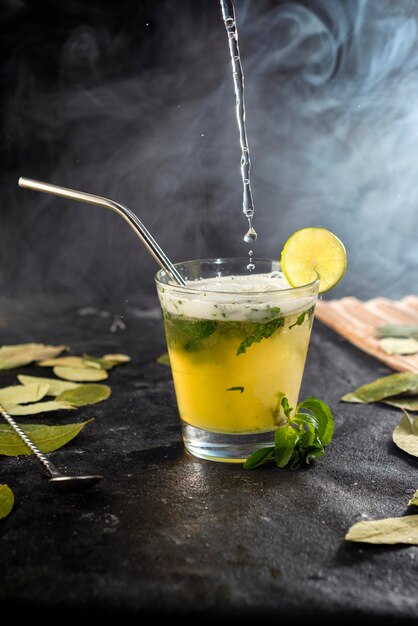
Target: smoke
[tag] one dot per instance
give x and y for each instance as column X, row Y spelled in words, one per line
column 135, row 102
column 337, row 84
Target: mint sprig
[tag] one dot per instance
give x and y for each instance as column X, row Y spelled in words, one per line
column 300, row 438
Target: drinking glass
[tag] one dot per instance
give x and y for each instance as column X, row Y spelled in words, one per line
column 237, row 341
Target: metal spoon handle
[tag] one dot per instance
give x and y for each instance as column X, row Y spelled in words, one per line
column 50, row 467
column 139, row 228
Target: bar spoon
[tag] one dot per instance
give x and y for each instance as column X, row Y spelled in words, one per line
column 59, row 480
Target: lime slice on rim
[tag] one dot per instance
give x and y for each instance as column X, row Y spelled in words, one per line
column 310, row 251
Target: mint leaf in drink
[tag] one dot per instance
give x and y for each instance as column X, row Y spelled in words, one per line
column 189, row 334
column 302, row 316
column 300, row 438
column 261, row 331
column 270, row 313
column 282, row 410
column 200, row 329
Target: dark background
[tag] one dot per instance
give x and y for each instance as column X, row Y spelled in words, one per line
column 134, row 101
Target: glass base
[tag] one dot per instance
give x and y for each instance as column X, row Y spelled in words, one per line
column 224, row 447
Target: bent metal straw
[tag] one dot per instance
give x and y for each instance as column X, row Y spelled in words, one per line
column 135, row 223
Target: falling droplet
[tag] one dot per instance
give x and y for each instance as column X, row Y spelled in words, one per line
column 250, row 236
column 250, row 265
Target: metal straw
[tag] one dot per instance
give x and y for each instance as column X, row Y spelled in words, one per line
column 146, row 238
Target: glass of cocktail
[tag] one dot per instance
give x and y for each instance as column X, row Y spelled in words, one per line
column 237, row 342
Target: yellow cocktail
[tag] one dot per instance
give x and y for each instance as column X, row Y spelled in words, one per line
column 236, row 341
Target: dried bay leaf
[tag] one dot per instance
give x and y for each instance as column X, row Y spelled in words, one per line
column 116, row 359
column 397, row 330
column 56, row 386
column 46, row 438
column 385, row 387
column 98, row 362
column 18, row 355
column 80, row 374
column 405, row 434
column 88, row 393
column 37, row 407
column 409, row 404
column 68, row 361
column 106, row 362
column 7, row 500
column 414, row 500
column 164, row 359
column 401, row 345
column 20, row 394
column 391, row 530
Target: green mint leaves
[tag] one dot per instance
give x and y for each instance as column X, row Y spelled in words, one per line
column 300, row 438
column 190, row 334
column 302, row 316
column 195, row 335
column 261, row 331
column 265, row 329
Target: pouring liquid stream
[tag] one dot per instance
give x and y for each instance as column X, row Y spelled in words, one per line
column 228, row 14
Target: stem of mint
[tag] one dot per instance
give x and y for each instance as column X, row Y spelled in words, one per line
column 301, row 438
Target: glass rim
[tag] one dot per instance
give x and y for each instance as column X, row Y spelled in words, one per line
column 221, row 260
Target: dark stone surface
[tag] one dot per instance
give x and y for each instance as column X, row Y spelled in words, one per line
column 165, row 534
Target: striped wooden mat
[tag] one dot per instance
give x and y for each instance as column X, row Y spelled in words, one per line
column 357, row 320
